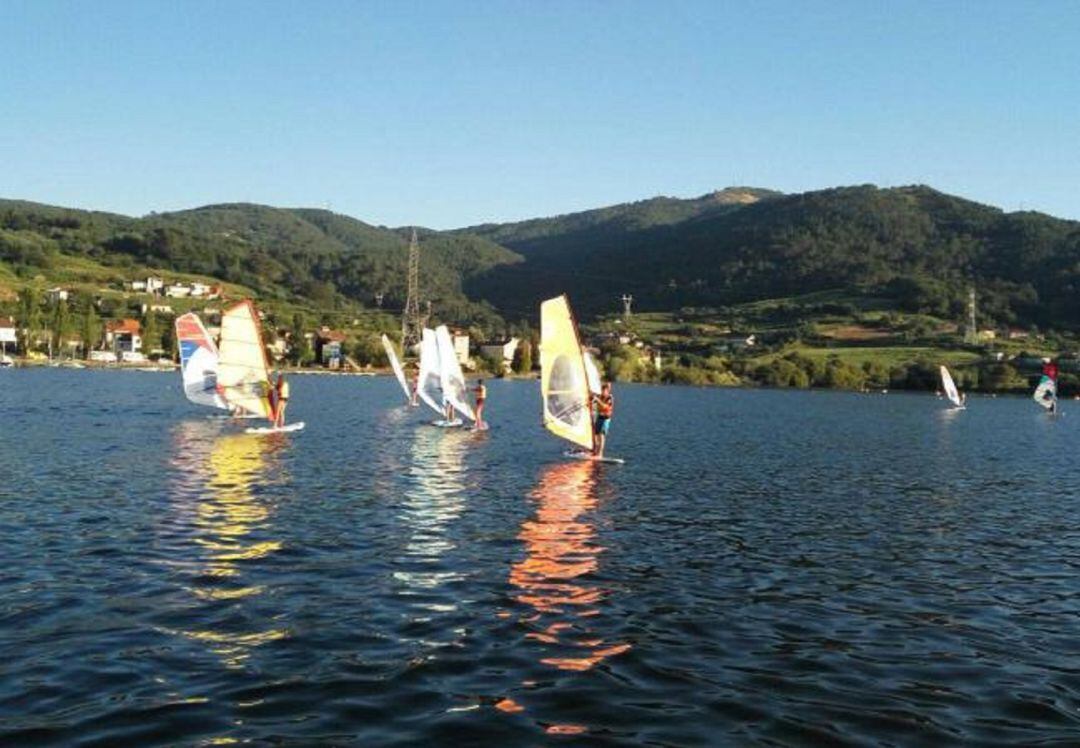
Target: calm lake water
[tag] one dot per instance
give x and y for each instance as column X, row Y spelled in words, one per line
column 769, row 567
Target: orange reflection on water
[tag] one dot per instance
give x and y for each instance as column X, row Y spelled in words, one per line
column 561, row 547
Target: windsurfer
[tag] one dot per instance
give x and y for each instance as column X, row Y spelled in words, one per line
column 281, row 391
column 415, row 386
column 480, row 392
column 604, row 403
column 448, row 411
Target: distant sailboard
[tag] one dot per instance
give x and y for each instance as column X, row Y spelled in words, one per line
column 566, row 382
column 950, row 390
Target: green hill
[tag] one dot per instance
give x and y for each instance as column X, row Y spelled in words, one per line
column 311, row 256
column 568, row 234
column 913, row 247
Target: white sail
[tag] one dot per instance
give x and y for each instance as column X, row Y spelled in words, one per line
column 591, row 373
column 564, row 377
column 395, row 364
column 1046, row 393
column 452, row 379
column 950, row 387
column 243, row 373
column 429, row 387
column 198, row 362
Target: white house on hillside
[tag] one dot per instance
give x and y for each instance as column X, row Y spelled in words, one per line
column 461, row 347
column 503, row 352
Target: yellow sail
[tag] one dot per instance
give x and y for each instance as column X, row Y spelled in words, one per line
column 243, row 374
column 564, row 383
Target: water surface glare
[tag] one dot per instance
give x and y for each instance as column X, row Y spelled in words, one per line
column 769, row 567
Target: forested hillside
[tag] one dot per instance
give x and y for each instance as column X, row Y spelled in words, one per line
column 914, row 247
column 317, row 256
column 588, row 230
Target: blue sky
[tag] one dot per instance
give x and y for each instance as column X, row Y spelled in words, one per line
column 447, row 114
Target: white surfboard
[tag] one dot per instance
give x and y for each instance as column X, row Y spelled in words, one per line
column 444, row 424
column 275, row 430
column 590, row 457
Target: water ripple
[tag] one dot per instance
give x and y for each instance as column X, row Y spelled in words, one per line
column 770, row 568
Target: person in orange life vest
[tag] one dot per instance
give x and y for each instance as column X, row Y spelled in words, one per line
column 480, row 392
column 604, row 403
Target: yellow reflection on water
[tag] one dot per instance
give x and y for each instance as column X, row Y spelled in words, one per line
column 230, row 512
column 561, row 549
column 221, row 480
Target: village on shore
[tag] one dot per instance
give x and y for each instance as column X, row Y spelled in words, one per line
column 130, row 326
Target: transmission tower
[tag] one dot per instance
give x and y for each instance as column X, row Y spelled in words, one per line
column 626, row 302
column 972, row 333
column 411, row 324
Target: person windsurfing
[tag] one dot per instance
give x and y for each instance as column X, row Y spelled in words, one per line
column 604, row 406
column 480, row 393
column 415, row 386
column 1050, row 369
column 281, row 397
column 1046, row 392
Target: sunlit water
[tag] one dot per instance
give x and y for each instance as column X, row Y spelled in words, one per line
column 768, row 567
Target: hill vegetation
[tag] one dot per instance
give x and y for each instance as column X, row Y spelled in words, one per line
column 315, row 257
column 913, row 247
column 849, row 287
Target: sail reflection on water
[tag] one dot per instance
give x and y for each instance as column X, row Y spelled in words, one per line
column 562, row 551
column 433, row 497
column 226, row 522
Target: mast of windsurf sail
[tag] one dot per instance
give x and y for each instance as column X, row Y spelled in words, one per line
column 395, row 364
column 950, row 387
column 243, row 371
column 564, row 378
column 428, row 383
column 198, row 362
column 451, row 377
